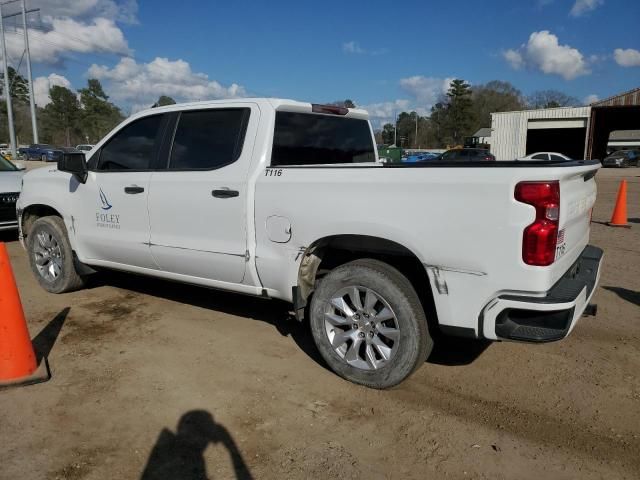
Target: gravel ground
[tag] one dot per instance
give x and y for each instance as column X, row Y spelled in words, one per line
column 224, row 386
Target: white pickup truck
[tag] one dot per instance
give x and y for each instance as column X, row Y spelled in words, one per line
column 288, row 200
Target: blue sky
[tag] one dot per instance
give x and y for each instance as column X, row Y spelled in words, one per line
column 384, row 55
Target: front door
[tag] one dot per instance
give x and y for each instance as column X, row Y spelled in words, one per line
column 198, row 204
column 111, row 219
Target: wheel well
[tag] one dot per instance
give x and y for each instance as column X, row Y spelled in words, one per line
column 33, row 213
column 328, row 253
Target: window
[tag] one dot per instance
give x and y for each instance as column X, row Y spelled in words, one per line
column 208, row 139
column 311, row 139
column 557, row 158
column 540, row 156
column 133, row 147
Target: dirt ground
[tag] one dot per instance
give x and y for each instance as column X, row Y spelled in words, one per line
column 146, row 370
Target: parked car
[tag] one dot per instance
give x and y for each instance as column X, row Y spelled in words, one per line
column 467, row 155
column 84, row 147
column 623, row 158
column 420, row 157
column 547, row 156
column 55, row 153
column 38, row 151
column 10, row 184
column 248, row 196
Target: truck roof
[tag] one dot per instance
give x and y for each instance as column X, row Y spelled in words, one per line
column 275, row 103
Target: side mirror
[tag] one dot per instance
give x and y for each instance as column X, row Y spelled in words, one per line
column 74, row 163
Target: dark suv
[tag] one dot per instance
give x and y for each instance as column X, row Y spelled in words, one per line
column 467, row 155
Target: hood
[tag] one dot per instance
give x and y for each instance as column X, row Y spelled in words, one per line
column 11, row 181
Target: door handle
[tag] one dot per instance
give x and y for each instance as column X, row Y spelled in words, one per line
column 225, row 193
column 133, row 189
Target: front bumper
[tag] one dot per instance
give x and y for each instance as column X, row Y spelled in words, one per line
column 549, row 317
column 8, row 226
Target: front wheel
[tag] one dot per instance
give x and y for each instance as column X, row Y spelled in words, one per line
column 51, row 256
column 369, row 325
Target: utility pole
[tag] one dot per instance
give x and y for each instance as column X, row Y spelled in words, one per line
column 416, row 141
column 395, row 129
column 7, row 89
column 32, row 102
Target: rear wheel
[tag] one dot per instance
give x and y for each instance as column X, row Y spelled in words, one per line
column 51, row 256
column 369, row 325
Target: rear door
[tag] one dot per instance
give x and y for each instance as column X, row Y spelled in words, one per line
column 198, row 201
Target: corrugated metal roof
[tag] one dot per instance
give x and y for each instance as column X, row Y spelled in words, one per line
column 558, row 112
column 483, row 132
column 632, row 97
column 619, row 135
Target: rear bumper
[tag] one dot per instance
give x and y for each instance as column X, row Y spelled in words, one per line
column 548, row 317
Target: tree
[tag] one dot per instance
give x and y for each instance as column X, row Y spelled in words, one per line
column 551, row 99
column 163, row 101
column 440, row 122
column 460, row 111
column 388, row 133
column 494, row 96
column 99, row 115
column 344, row 103
column 61, row 115
column 17, row 85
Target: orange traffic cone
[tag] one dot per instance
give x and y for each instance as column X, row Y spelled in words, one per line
column 17, row 359
column 619, row 217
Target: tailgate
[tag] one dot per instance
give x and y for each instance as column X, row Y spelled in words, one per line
column 577, row 197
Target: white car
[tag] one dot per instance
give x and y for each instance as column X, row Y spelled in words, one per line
column 284, row 199
column 84, row 147
column 548, row 156
column 10, row 185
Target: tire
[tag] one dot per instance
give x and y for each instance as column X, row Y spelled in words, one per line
column 51, row 256
column 356, row 338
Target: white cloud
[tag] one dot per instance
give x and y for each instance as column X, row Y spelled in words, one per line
column 514, row 58
column 140, row 84
column 67, row 35
column 426, row 90
column 118, row 10
column 385, row 112
column 354, row 48
column 589, row 99
column 544, row 52
column 41, row 86
column 627, row 57
column 583, row 6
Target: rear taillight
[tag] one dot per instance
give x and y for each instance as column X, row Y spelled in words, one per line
column 540, row 238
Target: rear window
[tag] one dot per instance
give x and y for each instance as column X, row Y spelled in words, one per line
column 311, row 139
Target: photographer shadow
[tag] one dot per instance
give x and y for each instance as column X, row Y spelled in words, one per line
column 180, row 455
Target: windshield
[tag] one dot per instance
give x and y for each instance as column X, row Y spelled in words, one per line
column 6, row 165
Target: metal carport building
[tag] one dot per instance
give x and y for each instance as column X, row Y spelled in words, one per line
column 579, row 132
